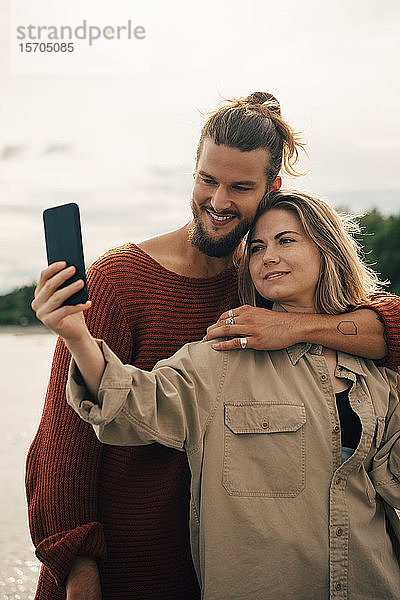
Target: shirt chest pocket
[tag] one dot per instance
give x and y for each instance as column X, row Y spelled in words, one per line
column 264, row 449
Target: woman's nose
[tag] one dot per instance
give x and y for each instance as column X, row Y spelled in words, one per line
column 270, row 257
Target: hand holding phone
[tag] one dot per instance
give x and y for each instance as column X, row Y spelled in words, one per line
column 64, row 243
column 61, row 293
column 49, row 303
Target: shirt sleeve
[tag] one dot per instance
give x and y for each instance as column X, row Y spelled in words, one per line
column 64, row 458
column 385, row 471
column 387, row 306
column 169, row 405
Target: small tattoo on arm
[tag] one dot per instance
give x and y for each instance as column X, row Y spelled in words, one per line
column 347, row 328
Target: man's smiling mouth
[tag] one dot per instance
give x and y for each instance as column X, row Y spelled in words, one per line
column 219, row 219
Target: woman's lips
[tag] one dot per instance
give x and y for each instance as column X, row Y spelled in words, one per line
column 275, row 275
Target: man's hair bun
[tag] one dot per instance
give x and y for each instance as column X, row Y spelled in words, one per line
column 264, row 97
column 252, row 122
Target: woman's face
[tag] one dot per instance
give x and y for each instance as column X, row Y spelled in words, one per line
column 284, row 262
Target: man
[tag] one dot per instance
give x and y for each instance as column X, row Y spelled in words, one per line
column 112, row 522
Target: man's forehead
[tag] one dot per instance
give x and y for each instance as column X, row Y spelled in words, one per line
column 224, row 161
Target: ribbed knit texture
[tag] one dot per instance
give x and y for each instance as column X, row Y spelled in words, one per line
column 125, row 506
column 387, row 306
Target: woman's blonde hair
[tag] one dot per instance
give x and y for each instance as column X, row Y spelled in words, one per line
column 345, row 281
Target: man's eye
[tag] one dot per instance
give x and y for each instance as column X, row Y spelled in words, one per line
column 241, row 188
column 207, row 181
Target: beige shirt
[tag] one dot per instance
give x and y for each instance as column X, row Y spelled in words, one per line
column 274, row 513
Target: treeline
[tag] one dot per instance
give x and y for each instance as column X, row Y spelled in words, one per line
column 15, row 307
column 381, row 243
column 380, row 240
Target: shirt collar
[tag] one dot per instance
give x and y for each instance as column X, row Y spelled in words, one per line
column 351, row 363
column 346, row 361
column 297, row 351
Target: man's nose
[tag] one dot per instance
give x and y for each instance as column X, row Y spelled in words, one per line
column 220, row 200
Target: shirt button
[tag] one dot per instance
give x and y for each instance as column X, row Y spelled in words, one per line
column 314, row 347
column 338, row 586
column 323, row 377
column 336, row 429
column 339, row 531
column 265, row 424
column 338, row 480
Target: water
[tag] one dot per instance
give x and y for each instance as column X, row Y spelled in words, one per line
column 25, row 366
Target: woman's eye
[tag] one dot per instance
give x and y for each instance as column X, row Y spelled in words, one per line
column 255, row 249
column 285, row 240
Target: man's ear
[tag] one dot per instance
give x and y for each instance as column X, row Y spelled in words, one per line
column 276, row 185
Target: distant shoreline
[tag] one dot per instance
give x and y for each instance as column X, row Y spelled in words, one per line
column 28, row 330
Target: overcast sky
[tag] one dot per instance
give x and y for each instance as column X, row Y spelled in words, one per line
column 123, row 141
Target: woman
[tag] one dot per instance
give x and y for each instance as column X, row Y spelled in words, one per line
column 294, row 454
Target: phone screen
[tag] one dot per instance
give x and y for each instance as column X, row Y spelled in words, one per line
column 62, row 228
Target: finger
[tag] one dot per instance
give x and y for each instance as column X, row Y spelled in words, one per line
column 62, row 294
column 215, row 331
column 54, row 319
column 51, row 270
column 48, row 272
column 226, row 314
column 48, row 302
column 236, row 312
column 67, row 310
column 50, row 289
column 52, row 284
column 233, row 344
column 212, row 328
column 219, row 325
column 239, row 313
column 71, row 309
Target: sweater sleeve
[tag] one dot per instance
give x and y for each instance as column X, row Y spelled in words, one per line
column 387, row 306
column 64, row 459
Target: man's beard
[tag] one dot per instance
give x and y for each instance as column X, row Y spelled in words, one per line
column 216, row 248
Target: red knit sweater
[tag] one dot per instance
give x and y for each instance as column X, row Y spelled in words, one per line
column 125, row 506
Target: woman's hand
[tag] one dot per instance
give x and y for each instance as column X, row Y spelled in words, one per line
column 264, row 329
column 66, row 321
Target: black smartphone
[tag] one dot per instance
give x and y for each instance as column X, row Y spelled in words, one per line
column 62, row 227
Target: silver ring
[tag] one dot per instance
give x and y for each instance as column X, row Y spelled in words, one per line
column 230, row 321
column 243, row 342
column 230, row 313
